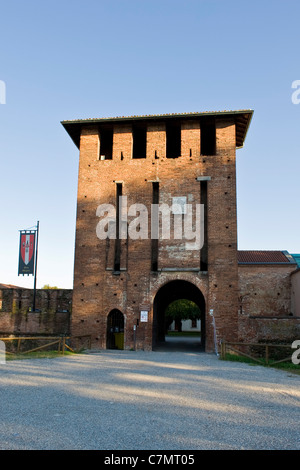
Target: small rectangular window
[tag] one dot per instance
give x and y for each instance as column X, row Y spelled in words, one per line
column 173, row 138
column 208, row 137
column 139, row 142
column 106, row 144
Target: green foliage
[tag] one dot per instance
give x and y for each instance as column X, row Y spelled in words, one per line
column 183, row 309
column 46, row 286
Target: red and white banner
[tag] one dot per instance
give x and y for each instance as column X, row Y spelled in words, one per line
column 26, row 254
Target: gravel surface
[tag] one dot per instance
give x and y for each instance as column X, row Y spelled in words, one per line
column 126, row 400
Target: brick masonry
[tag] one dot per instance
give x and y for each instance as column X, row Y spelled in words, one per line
column 267, row 307
column 52, row 315
column 97, row 288
column 100, row 287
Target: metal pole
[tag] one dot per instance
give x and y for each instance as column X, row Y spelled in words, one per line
column 211, row 312
column 35, row 265
column 134, row 336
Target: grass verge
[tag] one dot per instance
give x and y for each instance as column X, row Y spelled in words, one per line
column 288, row 366
column 38, row 355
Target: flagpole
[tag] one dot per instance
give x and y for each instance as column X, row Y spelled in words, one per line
column 35, row 265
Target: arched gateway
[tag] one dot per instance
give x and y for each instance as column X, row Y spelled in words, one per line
column 168, row 293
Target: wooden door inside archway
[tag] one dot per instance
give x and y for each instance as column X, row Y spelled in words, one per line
column 115, row 330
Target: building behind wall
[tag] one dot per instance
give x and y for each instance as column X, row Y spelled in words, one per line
column 295, row 286
column 125, row 283
column 268, row 297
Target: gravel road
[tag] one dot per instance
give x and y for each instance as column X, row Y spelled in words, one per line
column 162, row 400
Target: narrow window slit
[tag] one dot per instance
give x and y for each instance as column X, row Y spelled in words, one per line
column 173, row 137
column 155, row 235
column 208, row 137
column 118, row 241
column 139, row 134
column 106, row 144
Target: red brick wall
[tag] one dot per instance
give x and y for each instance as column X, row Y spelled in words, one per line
column 295, row 285
column 265, row 290
column 265, row 309
column 53, row 313
column 96, row 289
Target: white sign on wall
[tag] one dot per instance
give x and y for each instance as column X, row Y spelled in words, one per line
column 144, row 316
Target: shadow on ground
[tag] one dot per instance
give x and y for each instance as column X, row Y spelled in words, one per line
column 179, row 343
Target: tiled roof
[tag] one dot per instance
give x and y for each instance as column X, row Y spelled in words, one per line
column 264, row 257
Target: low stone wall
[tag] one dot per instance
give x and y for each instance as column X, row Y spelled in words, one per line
column 265, row 290
column 52, row 315
column 34, row 323
column 295, row 286
column 18, row 300
column 266, row 311
column 267, row 329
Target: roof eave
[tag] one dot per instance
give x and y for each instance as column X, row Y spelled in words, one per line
column 73, row 127
column 266, row 263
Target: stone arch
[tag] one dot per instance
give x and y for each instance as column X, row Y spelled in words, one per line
column 169, row 292
column 115, row 330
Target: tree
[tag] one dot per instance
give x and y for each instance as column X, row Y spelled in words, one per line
column 182, row 309
column 46, row 286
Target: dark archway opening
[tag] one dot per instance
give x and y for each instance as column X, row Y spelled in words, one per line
column 167, row 294
column 115, row 330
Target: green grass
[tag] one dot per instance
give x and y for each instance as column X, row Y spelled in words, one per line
column 295, row 368
column 38, row 355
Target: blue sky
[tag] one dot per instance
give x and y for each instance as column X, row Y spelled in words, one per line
column 71, row 59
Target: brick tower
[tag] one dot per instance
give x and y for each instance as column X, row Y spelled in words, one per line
column 139, row 179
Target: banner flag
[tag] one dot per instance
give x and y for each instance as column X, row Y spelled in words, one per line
column 26, row 254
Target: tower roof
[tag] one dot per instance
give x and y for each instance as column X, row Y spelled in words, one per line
column 241, row 117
